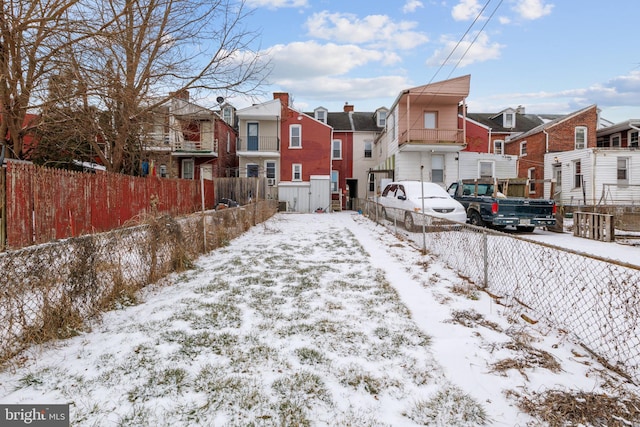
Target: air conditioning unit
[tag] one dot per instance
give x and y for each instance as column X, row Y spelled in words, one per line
column 271, row 182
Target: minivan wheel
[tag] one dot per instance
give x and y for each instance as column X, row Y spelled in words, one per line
column 408, row 222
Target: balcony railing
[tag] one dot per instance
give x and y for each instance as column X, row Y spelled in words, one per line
column 210, row 146
column 432, row 136
column 259, row 143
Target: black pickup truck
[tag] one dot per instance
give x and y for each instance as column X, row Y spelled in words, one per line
column 487, row 206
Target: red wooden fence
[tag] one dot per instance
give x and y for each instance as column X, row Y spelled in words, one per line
column 45, row 204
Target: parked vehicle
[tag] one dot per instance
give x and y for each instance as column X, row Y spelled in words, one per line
column 403, row 201
column 227, row 203
column 487, row 206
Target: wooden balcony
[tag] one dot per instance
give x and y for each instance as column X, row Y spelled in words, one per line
column 267, row 144
column 432, row 136
column 195, row 148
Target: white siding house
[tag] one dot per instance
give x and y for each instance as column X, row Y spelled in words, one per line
column 594, row 176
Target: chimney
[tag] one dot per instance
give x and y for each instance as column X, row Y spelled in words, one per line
column 283, row 97
column 347, row 107
column 520, row 109
column 181, row 94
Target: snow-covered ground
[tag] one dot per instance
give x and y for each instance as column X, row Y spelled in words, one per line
column 312, row 319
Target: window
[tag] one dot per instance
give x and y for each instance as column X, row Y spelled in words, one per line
column 577, row 174
column 334, row 181
column 437, row 168
column 509, row 120
column 581, row 137
column 252, row 170
column 531, row 174
column 633, row 138
column 372, row 182
column 295, row 136
column 227, row 115
column 321, row 115
column 296, row 172
column 523, row 148
column 187, row 168
column 623, row 170
column 485, row 169
column 614, row 140
column 368, row 149
column 336, row 150
column 163, row 171
column 270, row 168
column 497, row 146
column 430, row 120
column 382, row 118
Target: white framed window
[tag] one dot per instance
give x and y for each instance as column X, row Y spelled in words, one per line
column 368, row 149
column 321, row 115
column 509, row 120
column 382, row 118
column 486, row 169
column 430, row 119
column 335, row 175
column 270, row 169
column 523, row 148
column 498, row 146
column 614, row 140
column 632, row 138
column 581, row 137
column 336, row 149
column 531, row 174
column 187, row 169
column 296, row 172
column 295, row 136
column 227, row 115
column 577, row 174
column 623, row 170
column 437, row 168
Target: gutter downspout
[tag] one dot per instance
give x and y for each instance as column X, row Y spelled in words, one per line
column 489, row 142
column 546, row 141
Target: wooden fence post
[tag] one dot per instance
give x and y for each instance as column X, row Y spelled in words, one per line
column 3, row 207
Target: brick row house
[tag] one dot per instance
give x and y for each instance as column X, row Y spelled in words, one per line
column 291, row 149
column 185, row 140
column 352, row 154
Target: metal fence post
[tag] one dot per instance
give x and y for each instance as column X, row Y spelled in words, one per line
column 485, row 257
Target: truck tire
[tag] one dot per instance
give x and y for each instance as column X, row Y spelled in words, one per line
column 409, row 224
column 476, row 219
column 525, row 229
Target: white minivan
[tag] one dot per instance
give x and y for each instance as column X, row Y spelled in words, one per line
column 403, row 201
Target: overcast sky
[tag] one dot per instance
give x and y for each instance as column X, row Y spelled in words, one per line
column 549, row 56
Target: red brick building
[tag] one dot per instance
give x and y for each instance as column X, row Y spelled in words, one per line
column 573, row 131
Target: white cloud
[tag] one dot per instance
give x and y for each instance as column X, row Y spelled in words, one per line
column 373, row 29
column 305, row 60
column 411, row 6
column 532, row 9
column 466, row 10
column 466, row 53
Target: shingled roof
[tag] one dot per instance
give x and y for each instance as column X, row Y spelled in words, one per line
column 352, row 121
column 523, row 122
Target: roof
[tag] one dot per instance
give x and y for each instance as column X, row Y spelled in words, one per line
column 552, row 123
column 524, row 122
column 352, row 121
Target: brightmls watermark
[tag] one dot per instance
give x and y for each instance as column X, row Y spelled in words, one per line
column 34, row 415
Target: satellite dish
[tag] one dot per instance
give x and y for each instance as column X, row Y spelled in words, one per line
column 220, row 100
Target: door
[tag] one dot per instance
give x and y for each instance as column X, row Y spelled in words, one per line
column 252, row 136
column 557, row 191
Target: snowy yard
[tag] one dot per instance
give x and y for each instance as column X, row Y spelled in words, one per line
column 313, row 319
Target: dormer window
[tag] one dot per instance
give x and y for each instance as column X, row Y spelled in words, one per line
column 381, row 118
column 320, row 115
column 227, row 115
column 509, row 120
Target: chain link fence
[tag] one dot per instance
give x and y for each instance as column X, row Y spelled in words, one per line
column 596, row 300
column 52, row 290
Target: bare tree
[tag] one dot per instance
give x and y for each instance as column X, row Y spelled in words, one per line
column 143, row 52
column 29, row 41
